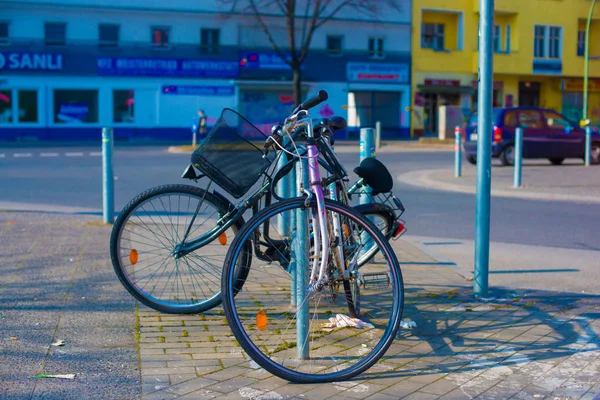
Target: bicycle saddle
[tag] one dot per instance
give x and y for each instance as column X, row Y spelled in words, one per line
column 376, row 175
column 336, row 123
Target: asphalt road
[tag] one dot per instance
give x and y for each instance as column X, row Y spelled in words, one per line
column 72, row 177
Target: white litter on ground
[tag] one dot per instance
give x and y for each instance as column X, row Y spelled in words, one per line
column 408, row 324
column 342, row 321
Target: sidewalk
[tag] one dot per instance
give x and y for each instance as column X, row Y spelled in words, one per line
column 540, row 180
column 526, row 344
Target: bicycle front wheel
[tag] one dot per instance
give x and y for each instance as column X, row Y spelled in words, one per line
column 296, row 330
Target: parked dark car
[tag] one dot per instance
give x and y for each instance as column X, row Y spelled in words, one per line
column 546, row 134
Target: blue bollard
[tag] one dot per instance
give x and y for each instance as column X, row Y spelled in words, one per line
column 283, row 190
column 301, row 252
column 588, row 144
column 108, row 179
column 518, row 157
column 367, row 149
column 294, row 192
column 457, row 152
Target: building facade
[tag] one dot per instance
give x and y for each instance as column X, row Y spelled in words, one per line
column 70, row 67
column 538, row 58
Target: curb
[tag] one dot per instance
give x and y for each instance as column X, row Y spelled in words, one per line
column 424, row 179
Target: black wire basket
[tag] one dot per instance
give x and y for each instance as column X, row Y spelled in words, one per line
column 228, row 158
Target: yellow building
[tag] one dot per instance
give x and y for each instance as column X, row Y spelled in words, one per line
column 538, row 57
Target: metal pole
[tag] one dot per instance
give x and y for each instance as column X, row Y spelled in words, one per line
column 294, row 192
column 518, row 157
column 108, row 179
column 378, row 135
column 588, row 143
column 367, row 149
column 484, row 150
column 457, row 152
column 283, row 187
column 586, row 61
column 301, row 247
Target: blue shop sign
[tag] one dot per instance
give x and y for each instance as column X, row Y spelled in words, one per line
column 547, row 66
column 377, row 72
column 199, row 90
column 118, row 66
column 270, row 61
column 24, row 61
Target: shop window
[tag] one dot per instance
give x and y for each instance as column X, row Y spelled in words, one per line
column 6, row 106
column 334, row 44
column 209, row 40
column 55, row 33
column 108, row 35
column 123, row 106
column 75, row 106
column 581, row 43
column 3, row 32
column 376, row 47
column 160, row 36
column 432, row 36
column 28, row 106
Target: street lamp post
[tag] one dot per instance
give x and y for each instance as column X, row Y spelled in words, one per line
column 586, row 61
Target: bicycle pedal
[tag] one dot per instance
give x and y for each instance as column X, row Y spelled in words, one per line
column 375, row 280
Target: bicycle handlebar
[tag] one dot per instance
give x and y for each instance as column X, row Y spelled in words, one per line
column 313, row 102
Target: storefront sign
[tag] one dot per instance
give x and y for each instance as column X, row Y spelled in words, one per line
column 498, row 85
column 199, row 90
column 263, row 61
column 442, row 82
column 166, row 67
column 547, row 66
column 73, row 112
column 20, row 61
column 377, row 72
column 576, row 85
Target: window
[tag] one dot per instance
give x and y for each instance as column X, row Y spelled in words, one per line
column 55, row 33
column 108, row 35
column 530, row 119
column 3, row 32
column 6, row 106
column 548, row 41
column 28, row 106
column 510, row 119
column 75, row 106
column 432, row 36
column 160, row 36
column 334, row 44
column 556, row 121
column 497, row 39
column 376, row 47
column 507, row 49
column 581, row 43
column 209, row 40
column 123, row 106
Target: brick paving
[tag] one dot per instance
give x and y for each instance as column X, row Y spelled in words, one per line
column 520, row 344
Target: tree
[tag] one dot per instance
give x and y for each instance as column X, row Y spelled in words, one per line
column 312, row 15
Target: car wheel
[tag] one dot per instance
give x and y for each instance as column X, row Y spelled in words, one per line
column 507, row 157
column 595, row 153
column 556, row 161
column 472, row 159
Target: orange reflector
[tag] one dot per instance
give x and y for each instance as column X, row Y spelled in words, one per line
column 133, row 256
column 261, row 320
column 346, row 230
column 223, row 238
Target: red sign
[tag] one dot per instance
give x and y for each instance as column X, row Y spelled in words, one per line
column 379, row 77
column 442, row 82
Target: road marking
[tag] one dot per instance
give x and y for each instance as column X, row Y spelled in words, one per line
column 96, row 153
column 49, row 154
column 73, row 154
column 22, row 155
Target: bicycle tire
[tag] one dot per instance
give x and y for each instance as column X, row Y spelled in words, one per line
column 237, row 325
column 194, row 305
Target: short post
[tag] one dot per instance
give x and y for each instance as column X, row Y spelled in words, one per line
column 194, row 129
column 378, row 135
column 518, row 157
column 108, row 179
column 457, row 152
column 588, row 144
column 367, row 149
column 301, row 249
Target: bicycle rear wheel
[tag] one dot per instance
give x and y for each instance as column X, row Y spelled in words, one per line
column 146, row 235
column 302, row 340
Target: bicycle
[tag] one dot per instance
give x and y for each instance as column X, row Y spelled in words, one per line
column 156, row 235
column 268, row 306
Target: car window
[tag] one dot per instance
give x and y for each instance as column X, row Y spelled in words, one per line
column 530, row 119
column 510, row 119
column 556, row 121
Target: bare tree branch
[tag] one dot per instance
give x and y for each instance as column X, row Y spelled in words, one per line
column 305, row 21
column 334, row 12
column 291, row 25
column 268, row 33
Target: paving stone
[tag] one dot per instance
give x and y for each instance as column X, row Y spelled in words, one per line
column 189, row 386
column 230, row 385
